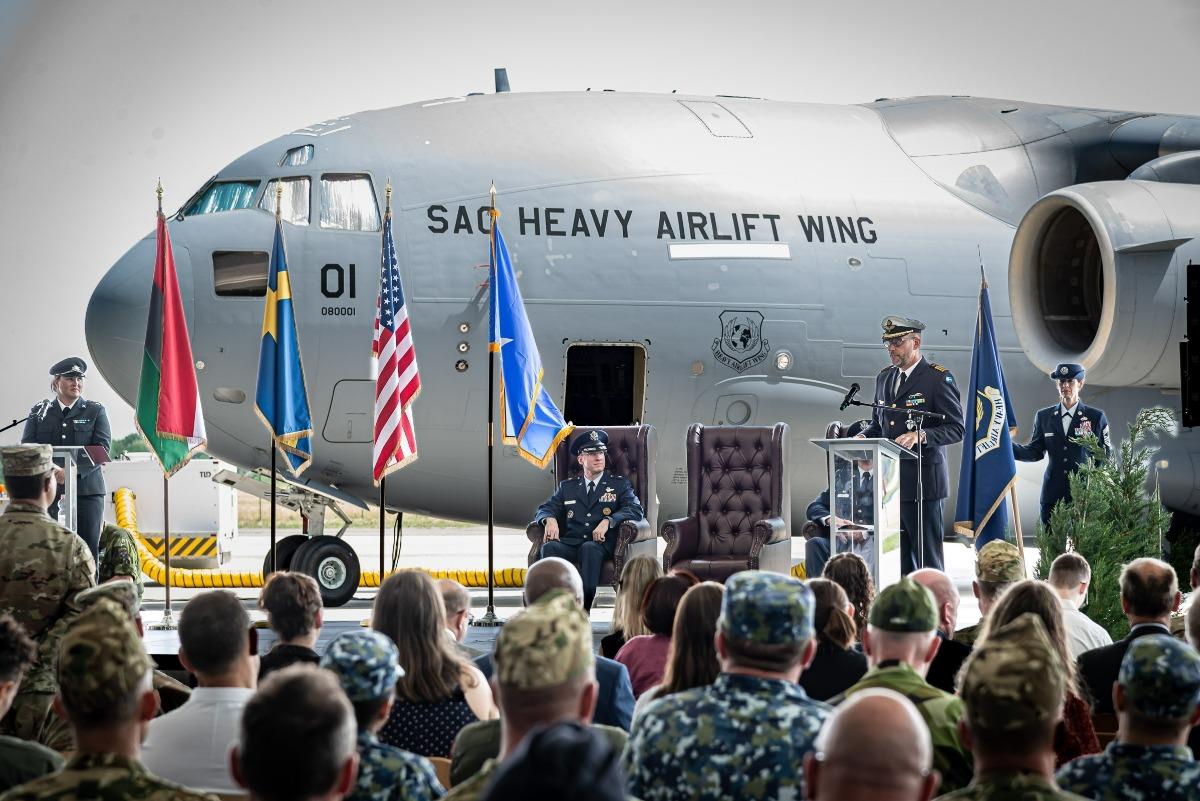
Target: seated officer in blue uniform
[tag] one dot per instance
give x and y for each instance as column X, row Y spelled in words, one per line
column 70, row 419
column 582, row 516
column 818, row 545
column 913, row 382
column 1053, row 429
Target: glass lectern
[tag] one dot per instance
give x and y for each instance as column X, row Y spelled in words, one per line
column 864, row 502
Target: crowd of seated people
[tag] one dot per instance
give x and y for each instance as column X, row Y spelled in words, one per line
column 764, row 687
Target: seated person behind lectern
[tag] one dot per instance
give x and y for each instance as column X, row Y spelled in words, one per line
column 817, row 547
column 582, row 516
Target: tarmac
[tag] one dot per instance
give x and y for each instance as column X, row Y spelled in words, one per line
column 454, row 548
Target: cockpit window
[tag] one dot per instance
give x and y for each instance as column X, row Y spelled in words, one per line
column 224, row 196
column 348, row 203
column 297, row 156
column 240, row 274
column 293, row 205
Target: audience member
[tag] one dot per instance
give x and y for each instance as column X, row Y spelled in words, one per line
column 367, row 667
column 998, row 566
column 900, row 643
column 849, row 571
column 43, row 568
column 191, row 745
column 1193, row 626
column 943, row 671
column 1076, row 735
column 20, row 760
column 297, row 740
column 1178, row 624
column 1149, row 593
column 1157, row 699
column 627, row 613
column 874, row 747
column 645, row 656
column 292, row 602
column 836, row 665
column 1012, row 690
column 440, row 691
column 1070, row 577
column 692, row 657
column 457, row 601
column 118, row 557
column 106, row 696
column 614, row 706
column 544, row 674
column 566, row 760
column 746, row 734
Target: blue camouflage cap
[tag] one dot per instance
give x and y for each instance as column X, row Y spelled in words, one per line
column 767, row 608
column 366, row 663
column 1161, row 677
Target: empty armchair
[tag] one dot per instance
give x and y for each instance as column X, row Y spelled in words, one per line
column 739, row 503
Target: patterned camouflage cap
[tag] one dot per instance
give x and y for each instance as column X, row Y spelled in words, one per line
column 767, row 608
column 999, row 562
column 1014, row 679
column 1161, row 677
column 123, row 591
column 366, row 663
column 547, row 645
column 905, row 606
column 27, row 460
column 102, row 658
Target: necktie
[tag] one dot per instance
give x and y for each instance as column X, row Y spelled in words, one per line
column 896, row 383
column 591, row 490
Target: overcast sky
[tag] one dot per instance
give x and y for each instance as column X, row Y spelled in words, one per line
column 98, row 99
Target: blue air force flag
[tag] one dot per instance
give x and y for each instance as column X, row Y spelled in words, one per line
column 528, row 417
column 280, row 397
column 988, row 467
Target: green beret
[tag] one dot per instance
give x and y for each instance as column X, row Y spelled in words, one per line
column 905, row 606
column 767, row 608
column 1161, row 677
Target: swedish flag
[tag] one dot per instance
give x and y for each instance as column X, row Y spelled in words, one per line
column 988, row 466
column 528, row 417
column 281, row 398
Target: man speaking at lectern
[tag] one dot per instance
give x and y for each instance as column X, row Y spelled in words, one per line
column 70, row 419
column 913, row 383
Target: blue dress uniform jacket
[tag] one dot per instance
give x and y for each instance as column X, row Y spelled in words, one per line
column 1048, row 439
column 818, row 549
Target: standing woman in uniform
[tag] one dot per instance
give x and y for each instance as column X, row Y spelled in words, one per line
column 70, row 419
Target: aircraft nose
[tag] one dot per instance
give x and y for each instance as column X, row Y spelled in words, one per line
column 115, row 325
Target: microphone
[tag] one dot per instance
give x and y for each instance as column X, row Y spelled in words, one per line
column 45, row 408
column 849, row 397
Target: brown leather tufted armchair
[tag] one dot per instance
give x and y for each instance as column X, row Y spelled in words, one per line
column 739, row 503
column 632, row 451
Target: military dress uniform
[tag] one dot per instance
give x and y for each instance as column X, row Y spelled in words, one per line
column 84, row 423
column 817, row 550
column 43, row 568
column 578, row 511
column 1053, row 429
column 1160, row 677
column 744, row 736
column 929, row 387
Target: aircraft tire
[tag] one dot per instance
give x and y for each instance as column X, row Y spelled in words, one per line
column 285, row 553
column 334, row 565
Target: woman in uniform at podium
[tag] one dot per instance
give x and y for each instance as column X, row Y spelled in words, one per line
column 69, row 419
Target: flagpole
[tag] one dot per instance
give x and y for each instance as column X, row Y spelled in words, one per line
column 382, row 526
column 1016, row 515
column 489, row 618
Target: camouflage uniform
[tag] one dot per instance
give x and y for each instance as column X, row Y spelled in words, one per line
column 102, row 661
column 367, row 666
column 43, row 566
column 909, row 608
column 1161, row 680
column 119, row 556
column 744, row 736
column 547, row 645
column 1014, row 683
column 998, row 562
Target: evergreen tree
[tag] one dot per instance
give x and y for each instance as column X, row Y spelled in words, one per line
column 1111, row 519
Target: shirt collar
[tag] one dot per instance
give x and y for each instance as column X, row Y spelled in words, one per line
column 1152, row 753
column 1064, row 410
column 1067, row 603
column 64, row 408
column 239, row 694
column 906, row 373
column 598, row 478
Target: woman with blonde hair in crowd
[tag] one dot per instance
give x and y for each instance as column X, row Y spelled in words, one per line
column 1076, row 735
column 440, row 691
column 836, row 665
column 645, row 656
column 850, row 572
column 627, row 614
column 692, row 657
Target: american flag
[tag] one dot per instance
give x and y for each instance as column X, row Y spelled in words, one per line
column 397, row 381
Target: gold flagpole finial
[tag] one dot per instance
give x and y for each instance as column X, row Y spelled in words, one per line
column 495, row 213
column 158, row 191
column 278, row 199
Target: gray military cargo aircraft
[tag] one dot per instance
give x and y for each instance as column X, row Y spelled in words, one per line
column 725, row 260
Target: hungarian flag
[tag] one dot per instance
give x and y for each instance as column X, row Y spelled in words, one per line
column 168, row 405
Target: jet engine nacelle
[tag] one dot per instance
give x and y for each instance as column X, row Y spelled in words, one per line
column 1096, row 276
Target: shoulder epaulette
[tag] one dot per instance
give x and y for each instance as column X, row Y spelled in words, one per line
column 938, row 367
column 884, row 370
